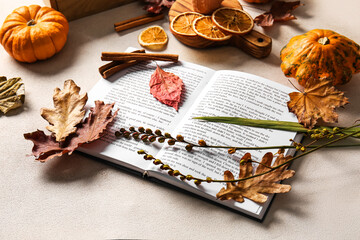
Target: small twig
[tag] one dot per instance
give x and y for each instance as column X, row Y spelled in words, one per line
column 295, row 86
column 124, row 56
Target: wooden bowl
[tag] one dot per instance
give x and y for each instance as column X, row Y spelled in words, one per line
column 253, row 43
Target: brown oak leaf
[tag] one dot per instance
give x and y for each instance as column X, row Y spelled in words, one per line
column 12, row 94
column 46, row 147
column 254, row 188
column 68, row 112
column 280, row 11
column 166, row 87
column 318, row 100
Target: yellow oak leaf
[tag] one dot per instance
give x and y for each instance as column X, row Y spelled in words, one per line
column 318, row 100
column 68, row 112
column 254, row 188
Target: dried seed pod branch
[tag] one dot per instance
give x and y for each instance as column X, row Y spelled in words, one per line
column 147, row 135
column 271, row 168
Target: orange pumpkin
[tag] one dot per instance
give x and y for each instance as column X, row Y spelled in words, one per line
column 320, row 53
column 206, row 6
column 32, row 33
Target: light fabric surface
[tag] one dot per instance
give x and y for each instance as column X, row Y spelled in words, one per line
column 79, row 198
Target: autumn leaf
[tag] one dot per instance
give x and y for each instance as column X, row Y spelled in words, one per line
column 280, row 11
column 46, row 147
column 12, row 94
column 254, row 188
column 166, row 87
column 157, row 6
column 68, row 112
column 318, row 100
column 94, row 125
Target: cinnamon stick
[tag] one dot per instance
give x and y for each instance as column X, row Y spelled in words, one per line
column 111, row 71
column 113, row 67
column 137, row 21
column 123, row 56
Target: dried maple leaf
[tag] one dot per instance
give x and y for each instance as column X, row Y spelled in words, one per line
column 280, row 11
column 254, row 188
column 166, row 87
column 156, row 6
column 46, row 146
column 68, row 112
column 12, row 94
column 318, row 100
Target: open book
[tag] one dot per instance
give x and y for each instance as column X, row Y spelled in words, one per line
column 207, row 93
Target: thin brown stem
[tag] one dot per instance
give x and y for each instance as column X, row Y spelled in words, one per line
column 295, row 86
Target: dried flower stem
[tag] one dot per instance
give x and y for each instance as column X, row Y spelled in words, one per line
column 292, row 159
column 148, row 135
column 199, row 180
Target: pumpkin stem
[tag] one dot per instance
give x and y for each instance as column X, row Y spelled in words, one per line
column 324, row 41
column 31, row 22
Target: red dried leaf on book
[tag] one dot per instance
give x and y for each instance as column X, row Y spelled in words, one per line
column 166, row 87
column 280, row 11
column 318, row 100
column 254, row 188
column 46, row 146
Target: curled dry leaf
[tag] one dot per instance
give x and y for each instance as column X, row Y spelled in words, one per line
column 46, row 146
column 12, row 94
column 157, row 6
column 254, row 188
column 318, row 100
column 68, row 112
column 280, row 11
column 166, row 87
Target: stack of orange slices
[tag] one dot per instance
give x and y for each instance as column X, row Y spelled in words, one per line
column 220, row 26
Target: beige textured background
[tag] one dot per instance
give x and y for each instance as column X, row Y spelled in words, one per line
column 80, row 198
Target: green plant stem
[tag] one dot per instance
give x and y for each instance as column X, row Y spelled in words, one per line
column 278, row 125
column 277, row 147
column 292, row 159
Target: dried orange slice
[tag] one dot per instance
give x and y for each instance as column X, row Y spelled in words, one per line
column 153, row 38
column 182, row 23
column 204, row 27
column 232, row 20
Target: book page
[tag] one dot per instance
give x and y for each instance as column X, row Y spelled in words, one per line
column 233, row 94
column 130, row 91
